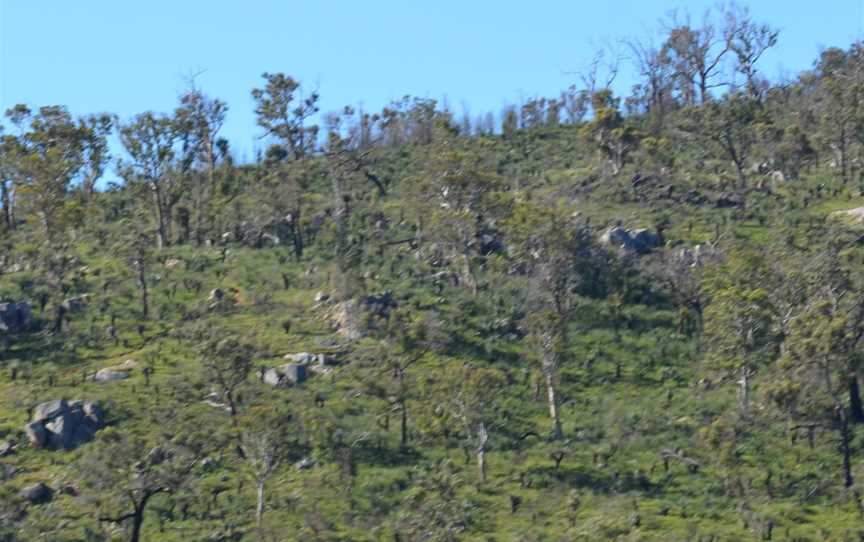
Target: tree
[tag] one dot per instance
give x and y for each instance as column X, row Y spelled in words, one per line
column 282, row 110
column 562, row 263
column 695, row 56
column 727, row 125
column 42, row 162
column 198, row 121
column 95, row 130
column 475, row 401
column 819, row 365
column 741, row 328
column 456, row 199
column 124, row 474
column 405, row 340
column 149, row 140
column 227, row 364
column 748, row 40
column 269, row 439
column 609, row 131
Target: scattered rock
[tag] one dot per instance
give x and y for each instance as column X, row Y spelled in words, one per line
column 15, row 317
column 110, row 374
column 58, row 424
column 304, row 358
column 7, row 448
column 38, row 493
column 304, row 464
column 855, row 215
column 285, row 375
column 638, row 241
column 216, row 295
column 76, row 304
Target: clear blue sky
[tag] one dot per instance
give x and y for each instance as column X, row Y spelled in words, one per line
column 130, row 56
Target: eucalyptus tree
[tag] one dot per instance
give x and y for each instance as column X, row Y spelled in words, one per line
column 563, row 264
column 197, row 121
column 41, row 163
column 150, row 140
column 283, row 110
column 123, row 474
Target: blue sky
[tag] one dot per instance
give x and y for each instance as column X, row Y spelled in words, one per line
column 130, row 56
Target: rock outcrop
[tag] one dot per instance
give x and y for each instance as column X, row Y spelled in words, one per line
column 61, row 424
column 285, row 375
column 636, row 241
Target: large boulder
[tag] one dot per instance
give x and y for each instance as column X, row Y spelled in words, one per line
column 38, row 493
column 285, row 375
column 58, row 424
column 15, row 317
column 117, row 372
column 636, row 241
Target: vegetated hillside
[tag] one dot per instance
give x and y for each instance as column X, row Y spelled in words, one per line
column 641, row 326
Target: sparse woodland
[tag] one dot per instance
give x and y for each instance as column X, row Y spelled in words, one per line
column 589, row 317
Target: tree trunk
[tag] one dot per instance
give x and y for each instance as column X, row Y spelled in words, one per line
column 7, row 204
column 482, row 438
column 142, row 286
column 846, row 447
column 856, row 409
column 160, row 217
column 553, row 403
column 744, row 392
column 137, row 522
column 403, row 427
column 259, row 509
column 468, row 272
column 297, row 234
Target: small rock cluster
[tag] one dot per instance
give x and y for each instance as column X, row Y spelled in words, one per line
column 64, row 425
column 297, row 371
column 636, row 241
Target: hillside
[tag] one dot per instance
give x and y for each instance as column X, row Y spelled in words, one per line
column 643, row 321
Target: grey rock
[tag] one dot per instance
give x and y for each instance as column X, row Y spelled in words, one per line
column 50, row 409
column 58, row 424
column 61, row 431
column 94, row 412
column 7, row 448
column 38, row 493
column 304, row 358
column 36, row 434
column 285, row 375
column 15, row 317
column 110, row 374
column 637, row 241
column 304, row 464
